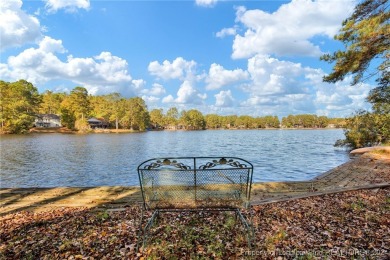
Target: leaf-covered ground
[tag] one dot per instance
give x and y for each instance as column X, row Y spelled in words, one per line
column 350, row 225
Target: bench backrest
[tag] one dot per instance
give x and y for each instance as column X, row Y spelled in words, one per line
column 195, row 182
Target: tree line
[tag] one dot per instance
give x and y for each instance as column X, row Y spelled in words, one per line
column 20, row 103
column 365, row 36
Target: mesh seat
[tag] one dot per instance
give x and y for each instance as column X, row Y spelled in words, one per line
column 195, row 183
column 179, row 183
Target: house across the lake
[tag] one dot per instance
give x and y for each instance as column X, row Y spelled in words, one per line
column 47, row 120
column 98, row 123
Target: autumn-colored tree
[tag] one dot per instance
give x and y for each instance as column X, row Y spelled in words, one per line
column 366, row 38
column 322, row 121
column 359, row 131
column 100, row 107
column 68, row 118
column 337, row 122
column 172, row 117
column 192, row 119
column 79, row 102
column 229, row 121
column 245, row 122
column 109, row 107
column 157, row 118
column 19, row 102
column 271, row 122
column 379, row 97
column 136, row 114
column 309, row 121
column 75, row 109
column 51, row 102
column 116, row 109
column 213, row 121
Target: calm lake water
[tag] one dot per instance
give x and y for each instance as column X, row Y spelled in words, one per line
column 48, row 160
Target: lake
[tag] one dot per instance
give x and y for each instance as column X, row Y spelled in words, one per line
column 49, row 160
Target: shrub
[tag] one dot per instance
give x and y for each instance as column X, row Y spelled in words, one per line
column 366, row 129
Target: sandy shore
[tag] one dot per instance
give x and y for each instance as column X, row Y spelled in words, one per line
column 369, row 170
column 342, row 214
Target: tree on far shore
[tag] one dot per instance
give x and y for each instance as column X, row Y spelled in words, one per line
column 19, row 102
column 157, row 118
column 51, row 102
column 76, row 107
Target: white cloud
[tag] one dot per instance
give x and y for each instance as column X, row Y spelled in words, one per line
column 51, row 45
column 261, row 100
column 17, row 27
column 178, row 69
column 334, row 99
column 289, row 30
column 156, row 90
column 283, row 87
column 102, row 73
column 138, row 84
column 279, row 105
column 272, row 86
column 224, row 99
column 150, row 100
column 219, row 77
column 342, row 96
column 271, row 76
column 226, row 32
column 188, row 94
column 112, row 68
column 68, row 5
column 168, row 99
column 206, row 3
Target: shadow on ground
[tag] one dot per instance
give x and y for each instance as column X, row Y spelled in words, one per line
column 13, row 200
column 366, row 171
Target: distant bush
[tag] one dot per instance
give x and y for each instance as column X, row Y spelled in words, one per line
column 366, row 129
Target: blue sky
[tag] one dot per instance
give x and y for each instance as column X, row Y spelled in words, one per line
column 228, row 57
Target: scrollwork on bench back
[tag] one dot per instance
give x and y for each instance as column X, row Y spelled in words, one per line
column 179, row 165
column 222, row 161
column 166, row 162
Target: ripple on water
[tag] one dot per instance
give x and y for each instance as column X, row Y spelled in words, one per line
column 47, row 160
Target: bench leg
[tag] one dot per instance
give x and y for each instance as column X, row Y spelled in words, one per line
column 248, row 226
column 139, row 240
column 146, row 229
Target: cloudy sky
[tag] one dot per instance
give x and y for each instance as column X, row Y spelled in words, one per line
column 227, row 57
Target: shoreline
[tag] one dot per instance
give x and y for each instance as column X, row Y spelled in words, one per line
column 369, row 170
column 342, row 214
column 63, row 130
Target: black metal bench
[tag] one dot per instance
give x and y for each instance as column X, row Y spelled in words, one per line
column 196, row 183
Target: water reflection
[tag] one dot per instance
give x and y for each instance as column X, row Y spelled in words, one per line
column 47, row 160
